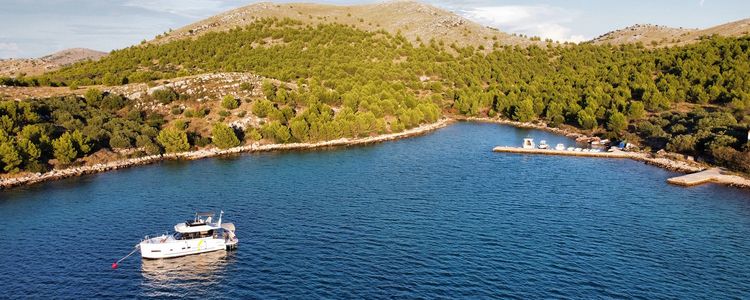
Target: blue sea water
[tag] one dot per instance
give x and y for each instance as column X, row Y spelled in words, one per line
column 435, row 216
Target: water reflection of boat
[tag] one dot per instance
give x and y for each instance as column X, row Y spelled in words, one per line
column 186, row 268
column 194, row 274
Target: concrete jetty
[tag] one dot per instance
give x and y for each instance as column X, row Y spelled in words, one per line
column 696, row 178
column 715, row 175
column 613, row 154
column 697, row 174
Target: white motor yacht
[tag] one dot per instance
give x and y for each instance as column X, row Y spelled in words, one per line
column 543, row 144
column 195, row 236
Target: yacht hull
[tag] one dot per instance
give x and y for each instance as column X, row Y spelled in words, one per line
column 163, row 247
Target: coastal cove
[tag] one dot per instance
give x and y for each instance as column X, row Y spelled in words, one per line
column 441, row 213
column 381, row 149
column 647, row 158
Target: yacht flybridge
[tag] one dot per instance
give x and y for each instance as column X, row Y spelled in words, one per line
column 195, row 236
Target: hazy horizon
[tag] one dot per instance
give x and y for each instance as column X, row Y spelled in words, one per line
column 36, row 28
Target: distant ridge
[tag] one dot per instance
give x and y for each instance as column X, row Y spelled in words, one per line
column 34, row 66
column 412, row 19
column 663, row 36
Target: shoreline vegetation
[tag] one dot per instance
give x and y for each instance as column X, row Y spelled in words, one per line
column 29, row 179
column 661, row 161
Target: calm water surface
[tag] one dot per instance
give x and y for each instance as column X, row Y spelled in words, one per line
column 437, row 216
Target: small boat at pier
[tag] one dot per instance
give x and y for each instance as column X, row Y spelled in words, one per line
column 528, row 143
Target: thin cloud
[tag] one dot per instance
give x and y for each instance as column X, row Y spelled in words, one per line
column 192, row 9
column 9, row 49
column 548, row 22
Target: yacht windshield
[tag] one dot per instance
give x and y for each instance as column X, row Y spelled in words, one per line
column 194, row 235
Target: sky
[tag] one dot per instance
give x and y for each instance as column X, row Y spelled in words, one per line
column 33, row 28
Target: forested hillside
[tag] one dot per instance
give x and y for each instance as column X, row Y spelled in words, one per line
column 693, row 99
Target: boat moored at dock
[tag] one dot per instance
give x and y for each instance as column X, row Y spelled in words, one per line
column 528, row 143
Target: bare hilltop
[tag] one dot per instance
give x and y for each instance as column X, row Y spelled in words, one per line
column 414, row 20
column 15, row 67
column 663, row 36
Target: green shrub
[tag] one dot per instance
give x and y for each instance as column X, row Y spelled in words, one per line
column 165, row 95
column 253, row 134
column 229, row 102
column 119, row 141
column 223, row 136
column 93, row 96
column 262, row 108
column 113, row 102
column 201, row 112
column 682, row 143
column 173, row 140
column 202, row 141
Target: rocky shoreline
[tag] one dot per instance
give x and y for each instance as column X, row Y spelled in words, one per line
column 29, row 179
column 661, row 161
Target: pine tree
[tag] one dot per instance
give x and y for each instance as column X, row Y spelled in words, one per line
column 587, row 120
column 64, row 150
column 10, row 157
column 173, row 140
column 223, row 136
column 525, row 111
column 299, row 129
column 617, row 123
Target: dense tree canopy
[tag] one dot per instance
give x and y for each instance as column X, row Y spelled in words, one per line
column 693, row 99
